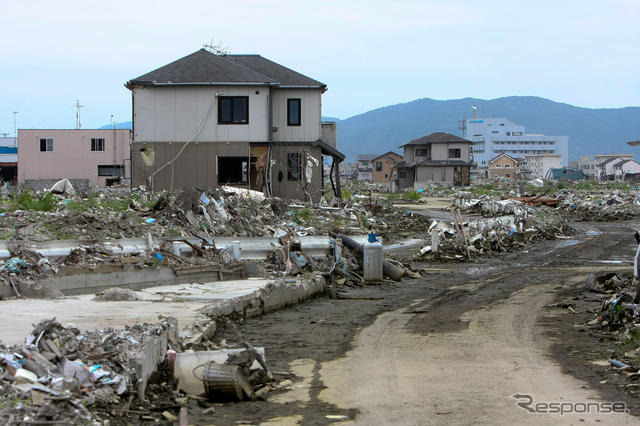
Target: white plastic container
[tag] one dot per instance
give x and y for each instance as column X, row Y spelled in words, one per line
column 373, row 260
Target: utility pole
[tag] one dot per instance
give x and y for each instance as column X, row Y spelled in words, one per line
column 78, row 106
column 15, row 128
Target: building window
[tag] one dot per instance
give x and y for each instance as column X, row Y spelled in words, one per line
column 498, row 166
column 111, row 170
column 293, row 112
column 46, row 144
column 421, row 152
column 506, row 166
column 495, row 131
column 507, row 175
column 233, row 110
column 293, row 166
column 517, row 133
column 454, row 152
column 97, row 144
column 365, row 163
column 508, row 133
column 378, row 166
column 233, row 170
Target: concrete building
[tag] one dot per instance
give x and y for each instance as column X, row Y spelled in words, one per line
column 210, row 119
column 494, row 136
column 364, row 166
column 440, row 158
column 503, row 166
column 588, row 165
column 86, row 156
column 8, row 159
column 539, row 164
column 384, row 167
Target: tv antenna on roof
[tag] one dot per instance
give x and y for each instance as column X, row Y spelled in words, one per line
column 475, row 111
column 78, row 106
column 217, row 49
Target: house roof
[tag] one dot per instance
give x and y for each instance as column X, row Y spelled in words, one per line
column 366, row 157
column 390, row 153
column 205, row 68
column 608, row 160
column 439, row 163
column 623, row 162
column 437, row 137
column 500, row 155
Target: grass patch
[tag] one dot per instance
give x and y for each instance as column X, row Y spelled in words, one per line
column 26, row 200
column 301, row 216
column 346, row 194
column 411, row 196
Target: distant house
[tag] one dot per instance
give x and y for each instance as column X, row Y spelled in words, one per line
column 566, row 173
column 9, row 159
column 504, row 166
column 209, row 119
column 384, row 167
column 606, row 169
column 365, row 169
column 627, row 168
column 88, row 157
column 539, row 164
column 439, row 157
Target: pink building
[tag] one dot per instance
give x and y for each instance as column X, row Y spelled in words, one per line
column 88, row 157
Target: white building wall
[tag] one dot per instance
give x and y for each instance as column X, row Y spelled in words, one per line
column 540, row 164
column 168, row 114
column 493, row 136
column 310, row 115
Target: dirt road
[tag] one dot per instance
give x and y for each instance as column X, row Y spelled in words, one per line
column 452, row 348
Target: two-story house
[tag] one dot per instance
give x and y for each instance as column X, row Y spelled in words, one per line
column 503, row 166
column 384, row 167
column 439, row 157
column 211, row 119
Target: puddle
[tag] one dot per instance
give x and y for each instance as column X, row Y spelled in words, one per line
column 593, row 232
column 570, row 243
column 612, row 261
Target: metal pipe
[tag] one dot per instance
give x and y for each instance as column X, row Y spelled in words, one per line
column 388, row 269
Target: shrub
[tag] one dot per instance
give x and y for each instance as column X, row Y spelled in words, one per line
column 414, row 195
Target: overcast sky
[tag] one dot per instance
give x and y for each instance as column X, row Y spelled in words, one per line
column 370, row 53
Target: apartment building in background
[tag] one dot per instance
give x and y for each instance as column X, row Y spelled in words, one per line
column 8, row 159
column 494, row 136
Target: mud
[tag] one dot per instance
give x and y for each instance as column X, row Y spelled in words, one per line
column 324, row 329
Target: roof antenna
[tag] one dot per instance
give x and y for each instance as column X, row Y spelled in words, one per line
column 217, row 49
column 475, row 111
column 78, row 106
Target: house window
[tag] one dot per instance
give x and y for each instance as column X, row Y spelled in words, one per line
column 97, row 144
column 378, row 166
column 365, row 163
column 421, row 152
column 110, row 170
column 233, row 170
column 498, row 166
column 454, row 152
column 46, row 144
column 293, row 166
column 233, row 110
column 506, row 166
column 507, row 175
column 293, row 112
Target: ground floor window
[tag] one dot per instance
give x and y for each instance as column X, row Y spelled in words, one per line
column 111, row 170
column 233, row 170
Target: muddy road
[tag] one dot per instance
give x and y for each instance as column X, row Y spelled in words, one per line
column 452, row 347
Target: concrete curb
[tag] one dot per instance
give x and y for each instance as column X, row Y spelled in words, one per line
column 274, row 296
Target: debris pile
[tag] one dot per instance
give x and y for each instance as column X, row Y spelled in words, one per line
column 600, row 206
column 63, row 376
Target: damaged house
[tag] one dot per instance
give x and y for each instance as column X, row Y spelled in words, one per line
column 439, row 157
column 212, row 119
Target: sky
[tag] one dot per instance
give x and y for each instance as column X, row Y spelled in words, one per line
column 370, row 53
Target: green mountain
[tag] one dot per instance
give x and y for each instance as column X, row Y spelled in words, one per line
column 590, row 131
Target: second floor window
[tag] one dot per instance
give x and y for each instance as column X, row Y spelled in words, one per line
column 97, row 144
column 378, row 166
column 454, row 152
column 293, row 112
column 46, row 144
column 421, row 152
column 233, row 110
